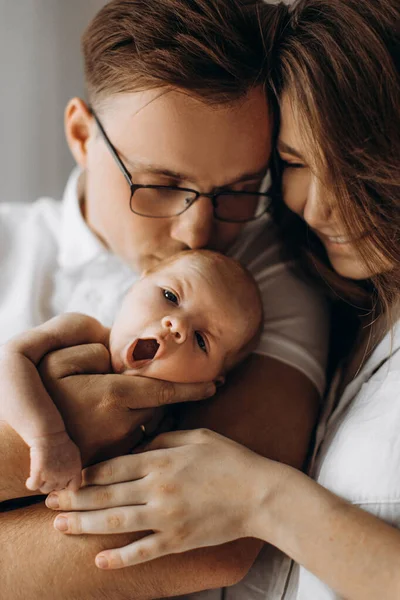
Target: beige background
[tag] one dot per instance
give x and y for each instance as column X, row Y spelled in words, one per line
column 40, row 69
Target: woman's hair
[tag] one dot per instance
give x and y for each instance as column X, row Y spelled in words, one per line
column 209, row 48
column 338, row 62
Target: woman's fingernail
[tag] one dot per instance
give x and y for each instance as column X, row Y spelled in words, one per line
column 52, row 501
column 102, row 562
column 61, row 523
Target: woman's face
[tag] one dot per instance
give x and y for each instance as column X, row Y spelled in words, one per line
column 305, row 195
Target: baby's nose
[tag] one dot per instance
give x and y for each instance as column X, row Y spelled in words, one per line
column 176, row 327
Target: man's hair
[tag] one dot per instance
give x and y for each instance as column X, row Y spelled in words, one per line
column 212, row 49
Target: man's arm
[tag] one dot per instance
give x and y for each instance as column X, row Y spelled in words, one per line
column 41, row 564
column 268, row 406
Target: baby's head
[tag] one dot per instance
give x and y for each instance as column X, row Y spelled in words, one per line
column 191, row 318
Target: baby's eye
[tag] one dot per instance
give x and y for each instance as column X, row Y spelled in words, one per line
column 170, row 296
column 200, row 342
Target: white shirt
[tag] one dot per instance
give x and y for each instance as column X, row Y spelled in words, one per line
column 357, row 457
column 51, row 262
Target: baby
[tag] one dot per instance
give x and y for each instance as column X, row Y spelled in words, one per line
column 191, row 318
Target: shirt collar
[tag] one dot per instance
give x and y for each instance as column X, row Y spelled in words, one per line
column 78, row 244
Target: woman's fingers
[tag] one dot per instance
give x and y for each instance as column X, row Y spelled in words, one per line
column 98, row 497
column 148, row 548
column 172, row 439
column 117, row 470
column 108, row 521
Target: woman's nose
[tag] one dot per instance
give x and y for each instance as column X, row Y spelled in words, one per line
column 317, row 209
column 176, row 327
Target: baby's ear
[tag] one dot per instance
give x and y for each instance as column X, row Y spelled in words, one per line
column 219, row 382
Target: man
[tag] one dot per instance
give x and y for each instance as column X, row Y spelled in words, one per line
column 176, row 102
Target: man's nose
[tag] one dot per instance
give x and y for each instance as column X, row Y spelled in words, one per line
column 194, row 227
column 176, row 327
column 318, row 209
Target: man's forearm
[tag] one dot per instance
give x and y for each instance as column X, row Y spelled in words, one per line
column 14, row 464
column 42, row 564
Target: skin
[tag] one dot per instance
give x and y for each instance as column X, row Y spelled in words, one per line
column 189, row 309
column 351, row 550
column 205, row 156
column 305, row 194
column 179, row 305
column 142, row 126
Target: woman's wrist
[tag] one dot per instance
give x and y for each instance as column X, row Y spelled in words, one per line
column 275, row 495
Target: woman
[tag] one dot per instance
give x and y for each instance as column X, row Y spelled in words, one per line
column 338, row 85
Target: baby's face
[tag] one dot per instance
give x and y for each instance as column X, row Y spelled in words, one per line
column 178, row 324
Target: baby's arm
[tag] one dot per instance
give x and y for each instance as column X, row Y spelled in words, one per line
column 29, row 410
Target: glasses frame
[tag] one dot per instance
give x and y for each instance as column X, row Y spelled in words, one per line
column 213, row 195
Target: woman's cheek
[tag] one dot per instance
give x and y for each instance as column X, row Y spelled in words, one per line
column 295, row 183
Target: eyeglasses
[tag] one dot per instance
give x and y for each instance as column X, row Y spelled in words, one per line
column 163, row 201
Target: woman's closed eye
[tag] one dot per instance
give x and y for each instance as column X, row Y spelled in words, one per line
column 291, row 163
column 201, row 342
column 170, row 296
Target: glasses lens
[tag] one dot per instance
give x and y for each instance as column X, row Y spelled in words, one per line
column 240, row 207
column 160, row 201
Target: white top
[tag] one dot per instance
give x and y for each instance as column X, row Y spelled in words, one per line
column 50, row 262
column 357, row 457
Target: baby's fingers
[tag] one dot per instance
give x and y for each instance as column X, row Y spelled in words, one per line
column 148, row 548
column 75, row 483
column 34, row 482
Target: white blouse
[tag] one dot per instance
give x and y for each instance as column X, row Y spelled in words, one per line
column 357, row 457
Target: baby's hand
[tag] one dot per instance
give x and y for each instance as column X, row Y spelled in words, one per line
column 55, row 464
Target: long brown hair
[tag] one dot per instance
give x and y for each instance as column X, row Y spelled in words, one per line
column 338, row 60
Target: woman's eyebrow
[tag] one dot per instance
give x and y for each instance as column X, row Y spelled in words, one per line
column 283, row 147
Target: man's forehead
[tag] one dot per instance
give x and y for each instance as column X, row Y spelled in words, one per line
column 187, row 139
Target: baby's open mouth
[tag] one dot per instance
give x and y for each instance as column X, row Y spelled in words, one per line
column 145, row 349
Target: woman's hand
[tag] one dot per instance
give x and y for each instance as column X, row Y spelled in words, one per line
column 190, row 489
column 103, row 411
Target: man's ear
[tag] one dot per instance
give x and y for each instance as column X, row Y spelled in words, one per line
column 79, row 129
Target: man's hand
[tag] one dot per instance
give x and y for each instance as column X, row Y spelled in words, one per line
column 102, row 411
